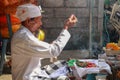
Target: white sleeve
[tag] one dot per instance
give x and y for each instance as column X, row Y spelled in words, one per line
column 33, row 47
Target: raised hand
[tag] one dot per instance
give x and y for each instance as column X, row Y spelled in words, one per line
column 70, row 21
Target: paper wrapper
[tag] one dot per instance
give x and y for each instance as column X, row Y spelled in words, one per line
column 99, row 66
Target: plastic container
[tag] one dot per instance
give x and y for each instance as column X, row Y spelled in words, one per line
column 101, row 77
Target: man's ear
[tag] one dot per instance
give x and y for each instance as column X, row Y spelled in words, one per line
column 27, row 20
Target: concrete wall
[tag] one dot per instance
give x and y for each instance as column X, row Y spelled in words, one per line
column 56, row 12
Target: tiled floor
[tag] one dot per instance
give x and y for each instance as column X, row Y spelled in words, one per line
column 6, row 71
column 6, row 77
column 6, row 74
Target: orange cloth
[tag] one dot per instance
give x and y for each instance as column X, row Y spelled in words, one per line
column 15, row 22
column 9, row 6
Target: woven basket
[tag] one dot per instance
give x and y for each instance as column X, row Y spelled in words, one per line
column 112, row 52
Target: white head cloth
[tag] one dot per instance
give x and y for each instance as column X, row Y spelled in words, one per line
column 27, row 11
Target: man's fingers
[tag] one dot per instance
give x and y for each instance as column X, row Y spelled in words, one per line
column 73, row 18
column 71, row 21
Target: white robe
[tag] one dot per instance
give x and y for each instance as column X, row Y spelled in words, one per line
column 27, row 53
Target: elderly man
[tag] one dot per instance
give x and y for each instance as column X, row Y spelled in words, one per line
column 27, row 51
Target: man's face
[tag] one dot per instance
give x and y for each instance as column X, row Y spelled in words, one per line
column 35, row 24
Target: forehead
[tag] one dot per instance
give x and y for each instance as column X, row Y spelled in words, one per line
column 39, row 17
